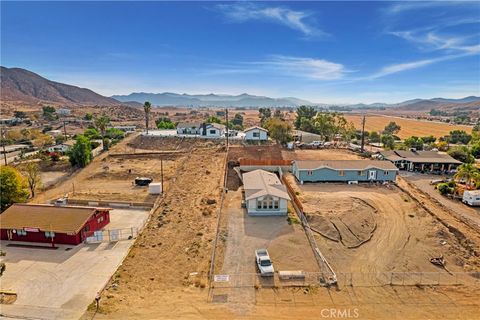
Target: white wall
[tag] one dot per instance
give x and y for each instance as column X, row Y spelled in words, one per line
column 249, row 135
column 218, row 133
column 252, row 208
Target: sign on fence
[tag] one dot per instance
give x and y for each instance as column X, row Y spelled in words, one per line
column 221, row 278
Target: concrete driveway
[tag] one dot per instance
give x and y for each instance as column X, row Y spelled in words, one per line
column 61, row 283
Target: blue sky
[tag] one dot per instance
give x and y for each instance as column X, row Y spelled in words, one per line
column 334, row 52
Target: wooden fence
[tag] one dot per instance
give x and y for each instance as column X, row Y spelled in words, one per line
column 265, row 162
column 292, row 193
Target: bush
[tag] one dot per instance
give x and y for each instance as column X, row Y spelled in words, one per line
column 445, row 189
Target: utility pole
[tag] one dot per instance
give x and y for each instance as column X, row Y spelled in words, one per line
column 363, row 134
column 161, row 172
column 226, row 117
column 3, row 145
column 64, row 130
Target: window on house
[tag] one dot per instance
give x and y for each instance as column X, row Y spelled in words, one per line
column 87, row 228
column 49, row 234
column 259, row 204
column 385, row 173
column 361, row 173
column 213, row 131
column 341, row 173
column 100, row 219
column 275, row 204
column 309, row 173
column 256, row 134
column 21, row 232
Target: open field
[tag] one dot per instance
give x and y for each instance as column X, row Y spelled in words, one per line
column 409, row 127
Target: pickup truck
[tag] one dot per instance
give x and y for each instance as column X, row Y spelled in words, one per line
column 264, row 263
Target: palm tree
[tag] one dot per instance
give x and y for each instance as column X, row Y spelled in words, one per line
column 147, row 107
column 469, row 173
column 101, row 123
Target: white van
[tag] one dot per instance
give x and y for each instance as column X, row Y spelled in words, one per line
column 471, row 197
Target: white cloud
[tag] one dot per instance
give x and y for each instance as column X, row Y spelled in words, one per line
column 400, row 67
column 317, row 69
column 296, row 20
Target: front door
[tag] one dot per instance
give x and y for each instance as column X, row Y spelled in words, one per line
column 372, row 175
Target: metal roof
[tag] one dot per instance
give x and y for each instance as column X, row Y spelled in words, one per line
column 255, row 127
column 419, row 156
column 345, row 164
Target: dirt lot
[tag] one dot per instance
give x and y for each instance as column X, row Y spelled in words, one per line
column 320, row 154
column 373, row 229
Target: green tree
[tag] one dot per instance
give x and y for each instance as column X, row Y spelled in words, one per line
column 429, row 139
column 374, row 137
column 388, row 141
column 461, row 154
column 92, row 134
column 324, row 125
column 81, row 152
column 264, row 114
column 237, row 120
column 304, row 113
column 391, row 128
column 213, row 119
column 31, row 172
column 476, row 150
column 13, row 187
column 414, row 142
column 147, row 108
column 115, row 134
column 279, row 130
column 88, row 116
column 469, row 173
column 101, row 123
column 459, row 136
column 19, row 114
column 49, row 113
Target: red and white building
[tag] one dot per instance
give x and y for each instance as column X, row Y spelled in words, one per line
column 51, row 224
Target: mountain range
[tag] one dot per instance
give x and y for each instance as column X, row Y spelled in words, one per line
column 23, row 86
column 211, row 100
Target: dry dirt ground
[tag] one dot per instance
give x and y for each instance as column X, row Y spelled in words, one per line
column 155, row 282
column 375, row 229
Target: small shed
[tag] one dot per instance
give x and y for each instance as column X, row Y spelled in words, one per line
column 155, row 188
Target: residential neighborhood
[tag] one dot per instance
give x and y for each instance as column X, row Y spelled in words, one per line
column 239, row 160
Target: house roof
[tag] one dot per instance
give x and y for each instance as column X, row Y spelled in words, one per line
column 345, row 164
column 189, row 125
column 255, row 127
column 216, row 126
column 259, row 183
column 45, row 217
column 418, row 156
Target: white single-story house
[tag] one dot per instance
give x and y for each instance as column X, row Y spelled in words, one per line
column 64, row 112
column 126, row 129
column 265, row 195
column 193, row 128
column 54, row 133
column 62, row 147
column 256, row 134
column 214, row 130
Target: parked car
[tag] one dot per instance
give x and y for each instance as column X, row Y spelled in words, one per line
column 264, row 263
column 316, row 144
column 142, row 181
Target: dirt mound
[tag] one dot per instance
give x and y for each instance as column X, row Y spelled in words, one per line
column 350, row 221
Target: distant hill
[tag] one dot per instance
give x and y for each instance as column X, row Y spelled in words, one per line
column 211, row 100
column 20, row 85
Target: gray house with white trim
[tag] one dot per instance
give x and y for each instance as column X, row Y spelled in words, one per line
column 265, row 195
column 344, row 171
